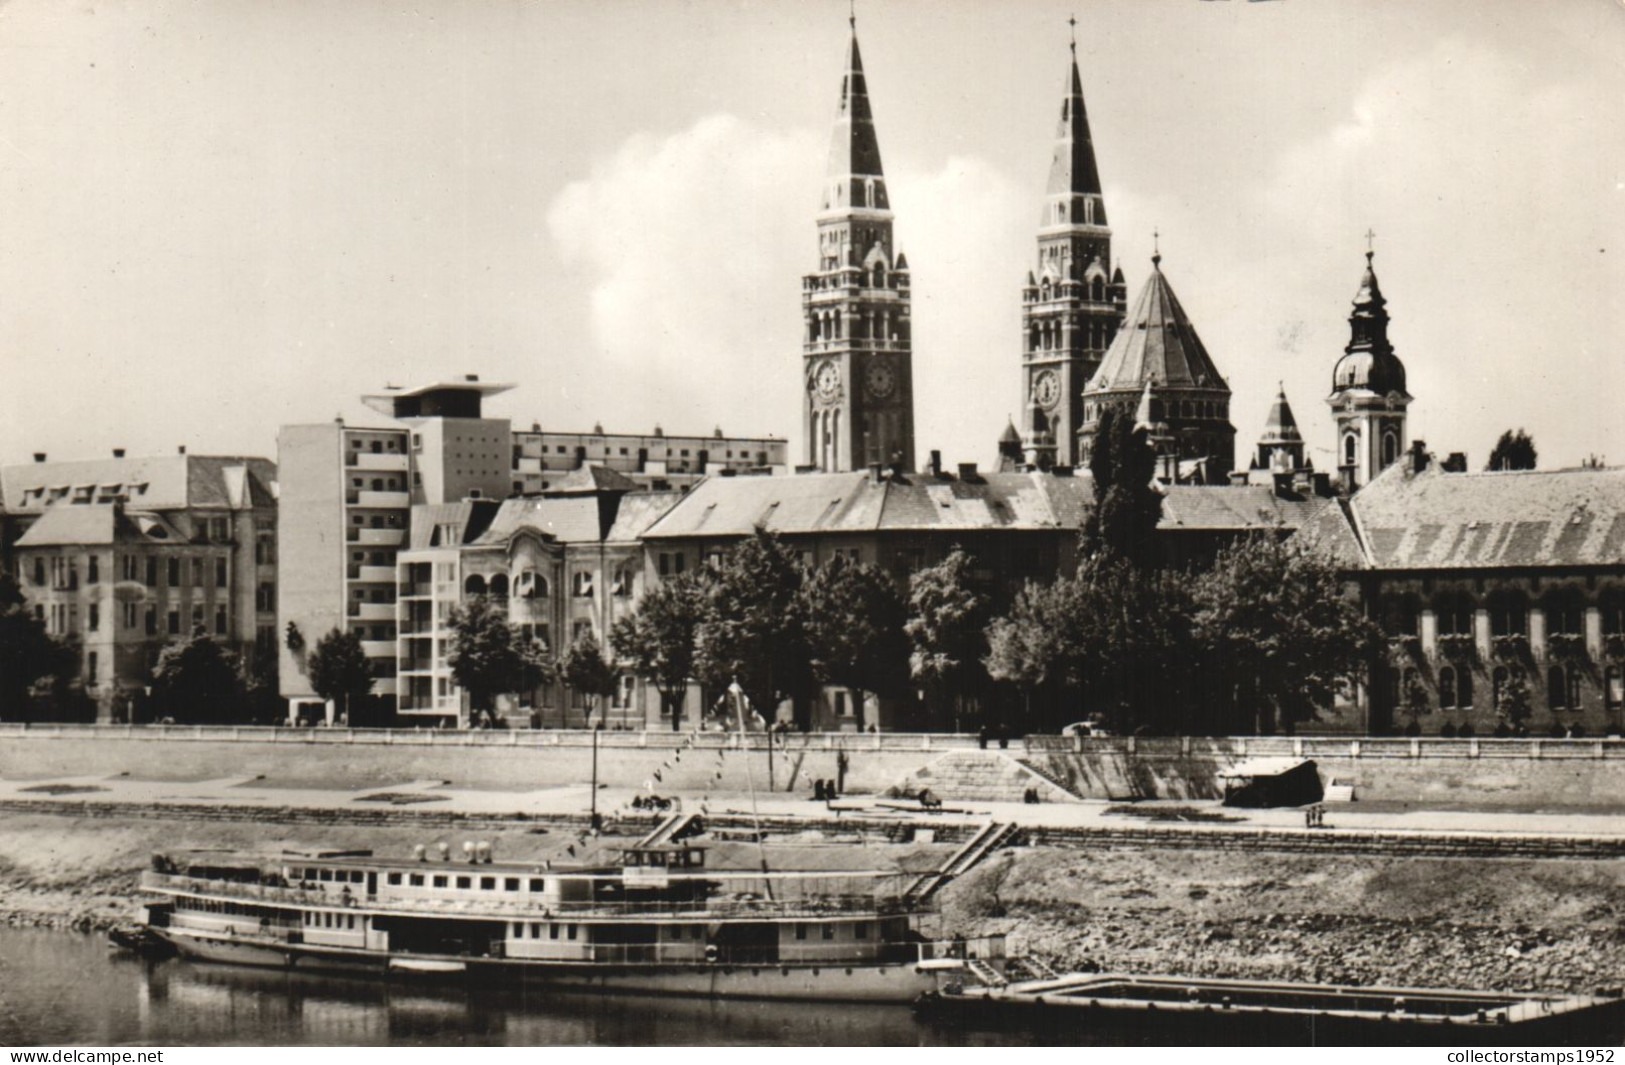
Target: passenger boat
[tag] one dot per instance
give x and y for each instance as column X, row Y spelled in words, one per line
column 656, row 920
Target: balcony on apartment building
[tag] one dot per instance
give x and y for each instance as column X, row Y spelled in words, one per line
column 371, row 611
column 378, row 648
column 375, row 537
column 369, row 497
column 372, row 574
column 388, row 461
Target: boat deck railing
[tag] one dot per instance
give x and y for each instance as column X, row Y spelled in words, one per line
column 805, row 904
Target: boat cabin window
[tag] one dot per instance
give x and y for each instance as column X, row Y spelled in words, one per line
column 829, row 931
column 465, row 881
column 536, row 883
column 510, row 884
column 860, row 930
column 439, row 881
column 324, row 874
column 488, row 883
column 394, row 880
column 801, row 931
column 414, row 879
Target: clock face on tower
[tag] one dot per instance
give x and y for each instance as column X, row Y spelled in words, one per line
column 827, row 380
column 1047, row 389
column 881, row 379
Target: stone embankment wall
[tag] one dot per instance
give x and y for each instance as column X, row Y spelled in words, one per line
column 1586, row 773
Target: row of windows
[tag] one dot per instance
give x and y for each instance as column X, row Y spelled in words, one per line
column 554, row 929
column 64, row 571
column 1565, row 687
column 1508, row 613
column 345, row 921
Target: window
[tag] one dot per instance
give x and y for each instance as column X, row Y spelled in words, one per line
column 131, row 616
column 552, row 931
column 570, row 931
column 220, row 572
column 152, row 573
column 860, row 930
column 152, row 621
column 1564, row 614
column 173, row 573
column 841, row 707
column 174, row 622
column 1351, row 445
column 1390, row 448
column 510, row 883
column 394, row 879
column 1455, row 615
column 414, row 880
column 440, row 881
column 39, row 571
column 265, row 597
column 220, row 627
column 1509, row 615
column 829, row 931
column 1563, row 688
column 465, row 882
column 581, row 585
column 536, row 884
column 197, row 616
column 1447, row 688
column 91, row 662
column 93, row 619
column 488, row 883
column 93, row 570
column 801, row 930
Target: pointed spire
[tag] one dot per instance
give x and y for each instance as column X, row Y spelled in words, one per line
column 855, row 177
column 1281, row 427
column 1157, row 343
column 1074, row 178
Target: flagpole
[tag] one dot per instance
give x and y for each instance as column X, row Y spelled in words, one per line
column 750, row 779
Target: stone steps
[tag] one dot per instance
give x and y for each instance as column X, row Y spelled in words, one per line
column 984, row 776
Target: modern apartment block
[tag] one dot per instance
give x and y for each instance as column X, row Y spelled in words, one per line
column 350, row 487
column 541, row 459
column 125, row 554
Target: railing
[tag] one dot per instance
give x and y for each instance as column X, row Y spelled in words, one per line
column 1234, row 747
column 533, row 908
column 652, row 739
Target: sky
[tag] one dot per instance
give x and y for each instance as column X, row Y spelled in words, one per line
column 219, row 218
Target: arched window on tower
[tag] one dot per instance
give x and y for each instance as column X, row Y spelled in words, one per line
column 878, row 277
column 1088, row 212
column 1351, row 444
column 1035, row 336
column 1097, row 292
column 812, row 328
column 474, row 585
column 1390, row 448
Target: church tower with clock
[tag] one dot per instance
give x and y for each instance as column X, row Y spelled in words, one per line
column 858, row 375
column 1073, row 303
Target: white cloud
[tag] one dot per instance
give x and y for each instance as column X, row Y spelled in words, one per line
column 691, row 247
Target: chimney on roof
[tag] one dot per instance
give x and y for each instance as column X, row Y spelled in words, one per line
column 874, row 473
column 39, row 456
column 967, row 470
column 180, row 449
column 471, row 377
column 936, row 463
column 1238, row 478
column 1418, row 456
column 1456, row 463
column 118, row 452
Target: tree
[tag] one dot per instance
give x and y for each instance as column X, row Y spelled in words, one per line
column 855, row 617
column 490, row 656
column 1512, row 701
column 27, row 652
column 1117, row 635
column 1127, row 504
column 198, row 681
column 583, row 669
column 339, row 669
column 753, row 630
column 946, row 628
column 1277, row 632
column 659, row 639
column 1514, row 451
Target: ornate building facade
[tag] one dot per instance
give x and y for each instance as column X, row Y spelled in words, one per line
column 1073, row 304
column 858, row 372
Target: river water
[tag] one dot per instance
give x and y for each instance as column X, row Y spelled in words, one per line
column 62, row 988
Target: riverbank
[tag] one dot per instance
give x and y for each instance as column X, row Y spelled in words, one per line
column 1494, row 924
column 1504, row 924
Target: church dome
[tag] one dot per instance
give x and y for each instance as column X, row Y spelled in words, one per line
column 1379, row 372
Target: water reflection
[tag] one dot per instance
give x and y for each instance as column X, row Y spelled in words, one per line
column 62, row 988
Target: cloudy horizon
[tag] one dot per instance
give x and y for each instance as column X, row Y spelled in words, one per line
column 216, row 219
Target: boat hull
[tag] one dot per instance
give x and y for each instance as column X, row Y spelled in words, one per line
column 898, row 982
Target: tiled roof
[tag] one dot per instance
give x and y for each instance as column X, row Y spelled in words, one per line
column 852, row 502
column 1156, row 345
column 1229, row 507
column 97, row 524
column 592, row 477
column 1438, row 520
column 638, row 511
column 165, row 481
column 568, row 519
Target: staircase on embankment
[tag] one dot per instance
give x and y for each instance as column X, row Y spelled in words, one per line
column 989, row 838
column 986, row 776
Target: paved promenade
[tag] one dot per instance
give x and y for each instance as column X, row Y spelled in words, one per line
column 429, row 796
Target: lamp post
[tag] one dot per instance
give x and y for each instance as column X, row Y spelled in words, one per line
column 593, row 818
